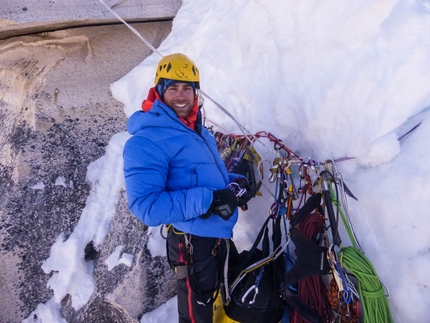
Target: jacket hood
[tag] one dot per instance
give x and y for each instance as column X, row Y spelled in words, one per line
column 160, row 115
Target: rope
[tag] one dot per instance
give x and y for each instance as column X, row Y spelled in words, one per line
column 373, row 293
column 131, row 28
column 244, row 131
column 373, row 299
column 312, row 290
column 337, row 180
column 342, row 312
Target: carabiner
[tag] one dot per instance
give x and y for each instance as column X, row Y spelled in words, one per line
column 252, row 288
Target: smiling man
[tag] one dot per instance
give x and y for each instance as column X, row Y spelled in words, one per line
column 175, row 176
column 180, row 98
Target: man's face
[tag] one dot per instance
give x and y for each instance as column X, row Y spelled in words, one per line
column 180, row 98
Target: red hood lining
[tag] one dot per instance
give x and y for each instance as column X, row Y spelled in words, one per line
column 189, row 121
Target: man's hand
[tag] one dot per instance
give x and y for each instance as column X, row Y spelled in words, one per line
column 224, row 204
column 243, row 191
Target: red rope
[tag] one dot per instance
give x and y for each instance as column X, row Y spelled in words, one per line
column 312, row 290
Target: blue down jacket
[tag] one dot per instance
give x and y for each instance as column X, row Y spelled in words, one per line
column 171, row 171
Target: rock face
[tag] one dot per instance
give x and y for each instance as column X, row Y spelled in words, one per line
column 56, row 117
column 31, row 16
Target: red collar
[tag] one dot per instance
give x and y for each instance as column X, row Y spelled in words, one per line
column 189, row 121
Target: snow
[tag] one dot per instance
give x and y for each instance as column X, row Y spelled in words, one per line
column 331, row 78
column 117, row 257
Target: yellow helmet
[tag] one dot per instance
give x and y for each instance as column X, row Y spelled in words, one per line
column 177, row 67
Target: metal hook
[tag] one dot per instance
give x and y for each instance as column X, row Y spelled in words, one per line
column 252, row 288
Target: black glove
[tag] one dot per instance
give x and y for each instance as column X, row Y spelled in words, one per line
column 224, row 204
column 243, row 191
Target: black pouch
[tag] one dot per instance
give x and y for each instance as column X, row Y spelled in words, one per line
column 258, row 295
column 252, row 303
column 205, row 277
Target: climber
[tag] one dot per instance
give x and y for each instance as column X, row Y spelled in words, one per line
column 175, row 176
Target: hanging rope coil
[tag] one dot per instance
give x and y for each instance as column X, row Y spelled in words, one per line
column 312, row 290
column 373, row 299
column 343, row 313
